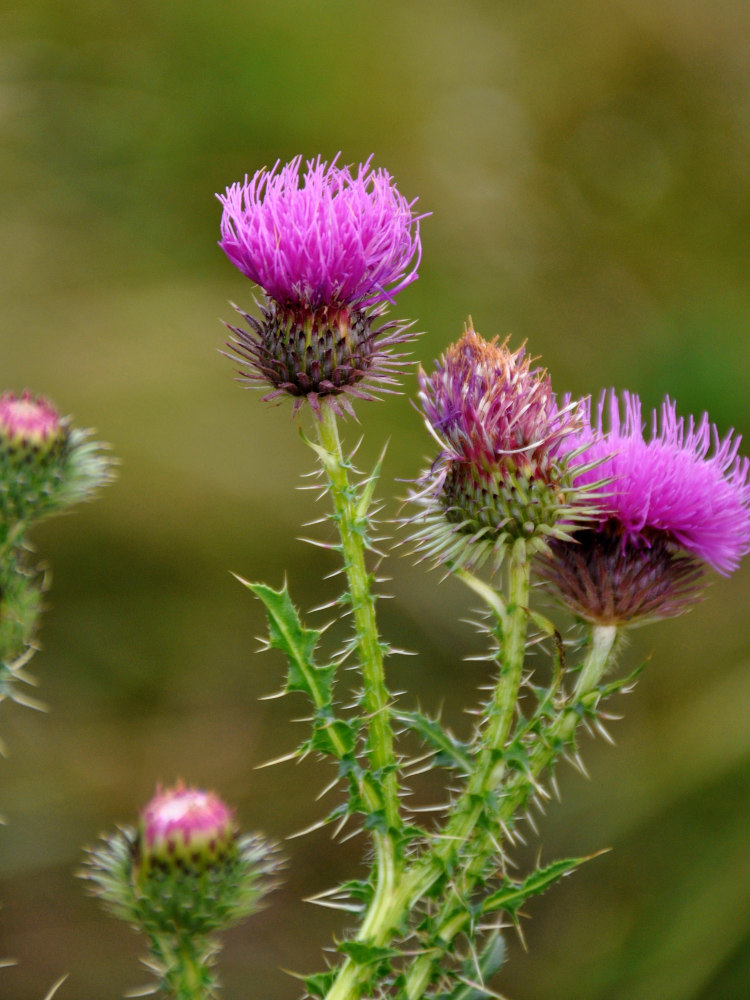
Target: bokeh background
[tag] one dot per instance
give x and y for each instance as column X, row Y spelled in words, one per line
column 586, row 165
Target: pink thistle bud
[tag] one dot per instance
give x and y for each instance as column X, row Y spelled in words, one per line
column 29, row 424
column 499, row 478
column 45, row 465
column 186, row 827
column 183, row 875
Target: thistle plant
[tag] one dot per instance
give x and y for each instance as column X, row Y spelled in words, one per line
column 180, row 877
column 540, row 508
column 525, row 489
column 46, row 466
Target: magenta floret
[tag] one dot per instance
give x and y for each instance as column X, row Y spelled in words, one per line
column 684, row 480
column 331, row 238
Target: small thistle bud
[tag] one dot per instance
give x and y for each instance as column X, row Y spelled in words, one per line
column 28, row 426
column 45, row 465
column 185, row 828
column 500, row 478
column 673, row 506
column 186, row 870
column 329, row 254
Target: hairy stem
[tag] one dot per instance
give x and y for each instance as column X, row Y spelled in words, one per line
column 380, row 925
column 517, row 791
column 385, row 821
column 186, row 963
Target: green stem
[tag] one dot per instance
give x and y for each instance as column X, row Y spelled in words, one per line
column 350, row 512
column 380, row 924
column 186, row 964
column 516, row 793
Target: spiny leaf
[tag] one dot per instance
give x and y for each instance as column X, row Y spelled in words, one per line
column 513, row 895
column 288, row 634
column 366, row 954
column 450, row 752
column 318, row 984
column 368, row 489
column 476, row 972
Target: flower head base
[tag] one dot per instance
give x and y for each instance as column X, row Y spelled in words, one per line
column 45, row 465
column 186, row 871
column 674, row 504
column 329, row 253
column 499, row 478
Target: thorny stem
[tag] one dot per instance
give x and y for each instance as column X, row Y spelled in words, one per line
column 419, row 878
column 386, row 828
column 186, row 966
column 515, row 794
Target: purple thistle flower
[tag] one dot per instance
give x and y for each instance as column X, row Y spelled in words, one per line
column 499, row 477
column 336, row 240
column 674, row 504
column 330, row 251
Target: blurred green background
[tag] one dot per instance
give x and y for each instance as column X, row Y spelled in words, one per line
column 586, row 165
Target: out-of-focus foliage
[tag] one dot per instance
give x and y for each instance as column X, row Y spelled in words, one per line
column 586, row 167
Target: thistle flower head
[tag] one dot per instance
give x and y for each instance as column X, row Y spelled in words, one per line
column 186, row 870
column 676, row 502
column 499, row 477
column 334, row 240
column 329, row 250
column 45, row 464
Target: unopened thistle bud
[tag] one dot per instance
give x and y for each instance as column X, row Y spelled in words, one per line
column 329, row 253
column 674, row 505
column 45, row 465
column 500, row 477
column 186, row 870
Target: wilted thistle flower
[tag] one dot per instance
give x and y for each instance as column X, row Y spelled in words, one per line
column 675, row 504
column 45, row 465
column 186, row 870
column 329, row 252
column 499, row 477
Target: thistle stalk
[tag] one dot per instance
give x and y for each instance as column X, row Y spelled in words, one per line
column 351, row 523
column 381, row 921
column 561, row 730
column 187, row 964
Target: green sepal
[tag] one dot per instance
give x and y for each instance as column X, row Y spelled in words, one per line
column 449, row 752
column 512, row 895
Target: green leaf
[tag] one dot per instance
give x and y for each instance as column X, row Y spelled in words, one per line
column 287, row 633
column 365, row 498
column 450, row 752
column 318, row 984
column 513, row 895
column 475, row 973
column 333, row 736
column 366, row 954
